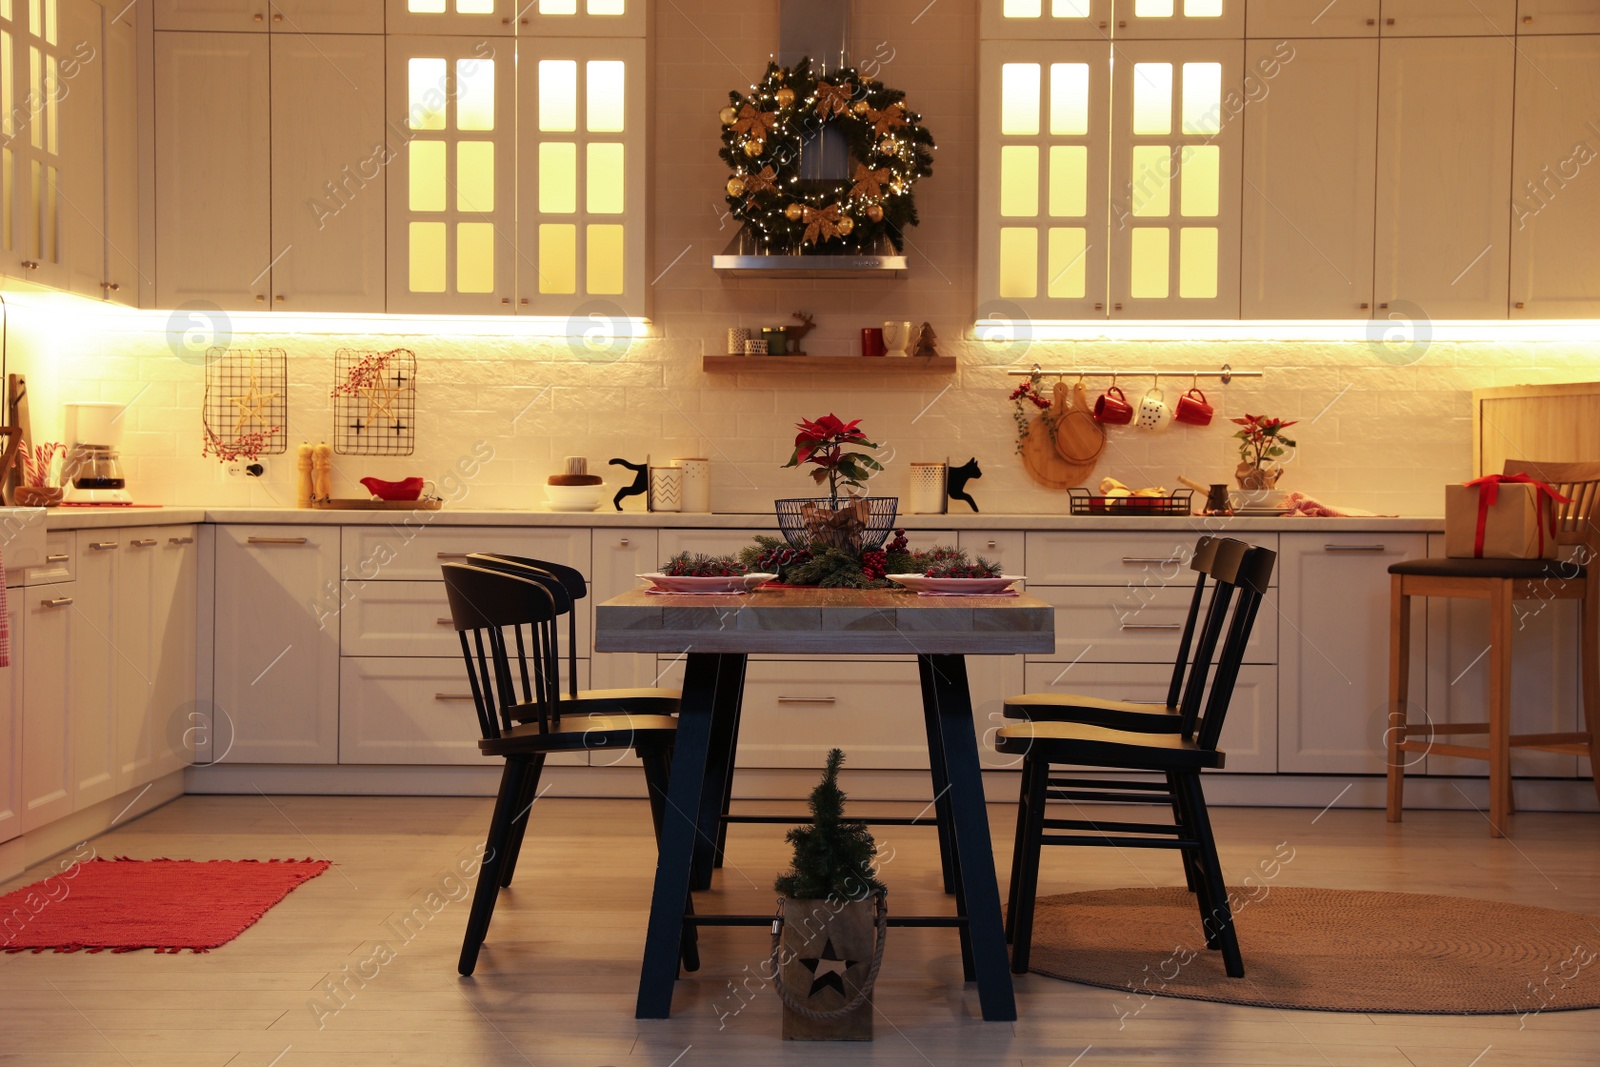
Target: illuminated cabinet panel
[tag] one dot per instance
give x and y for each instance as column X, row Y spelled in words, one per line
column 1312, row 18
column 471, row 18
column 452, row 210
column 1555, row 207
column 1558, row 16
column 1042, row 212
column 1309, row 164
column 1046, row 20
column 1449, row 18
column 1444, row 177
column 213, row 169
column 1177, row 130
column 328, row 188
column 580, row 176
column 1169, row 20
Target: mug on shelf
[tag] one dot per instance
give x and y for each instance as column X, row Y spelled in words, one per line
column 1153, row 411
column 1193, row 409
column 777, row 338
column 897, row 338
column 872, row 341
column 1113, row 408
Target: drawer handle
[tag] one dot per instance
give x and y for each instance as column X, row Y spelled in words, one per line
column 275, row 540
column 452, row 696
column 622, row 543
column 1130, row 560
column 144, row 542
column 991, row 546
column 1352, row 548
column 445, row 622
column 1150, row 626
column 58, row 602
column 180, row 540
column 808, row 700
column 452, row 555
column 60, row 557
column 102, row 545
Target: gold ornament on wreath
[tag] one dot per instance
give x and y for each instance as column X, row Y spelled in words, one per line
column 765, row 132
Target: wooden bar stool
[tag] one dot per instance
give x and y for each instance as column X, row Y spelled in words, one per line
column 1502, row 582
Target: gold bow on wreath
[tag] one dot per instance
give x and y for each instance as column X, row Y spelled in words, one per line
column 820, row 223
column 758, row 183
column 842, row 528
column 833, row 99
column 754, row 123
column 868, row 183
column 884, row 121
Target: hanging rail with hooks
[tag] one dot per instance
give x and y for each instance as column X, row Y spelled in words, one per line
column 1227, row 373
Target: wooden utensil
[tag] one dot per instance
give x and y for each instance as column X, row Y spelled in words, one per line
column 1079, row 438
column 1044, row 464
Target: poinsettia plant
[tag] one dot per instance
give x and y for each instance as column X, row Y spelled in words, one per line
column 1262, row 440
column 823, row 442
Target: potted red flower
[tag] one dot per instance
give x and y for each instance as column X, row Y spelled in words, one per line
column 1260, row 442
column 855, row 523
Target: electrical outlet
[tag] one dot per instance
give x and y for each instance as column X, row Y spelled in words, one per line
column 241, row 469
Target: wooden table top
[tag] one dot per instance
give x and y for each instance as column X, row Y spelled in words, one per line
column 830, row 621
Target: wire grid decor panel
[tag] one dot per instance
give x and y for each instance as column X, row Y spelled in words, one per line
column 375, row 402
column 246, row 408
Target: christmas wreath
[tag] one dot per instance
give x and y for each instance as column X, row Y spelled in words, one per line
column 889, row 149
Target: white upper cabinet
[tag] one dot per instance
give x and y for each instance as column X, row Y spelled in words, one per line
column 277, row 16
column 213, row 170
column 36, row 56
column 1444, row 178
column 1312, row 18
column 76, row 193
column 1162, row 20
column 1558, row 16
column 1177, row 134
column 1449, row 18
column 328, row 158
column 1555, row 204
column 1309, row 162
column 538, row 18
column 123, row 281
column 1102, row 20
column 1049, row 20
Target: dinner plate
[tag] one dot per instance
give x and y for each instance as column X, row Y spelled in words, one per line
column 921, row 583
column 733, row 583
column 1258, row 513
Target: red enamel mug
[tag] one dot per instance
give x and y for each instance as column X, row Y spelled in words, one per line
column 1113, row 408
column 1193, row 409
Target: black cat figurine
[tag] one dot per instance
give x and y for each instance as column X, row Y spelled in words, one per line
column 641, row 481
column 958, row 478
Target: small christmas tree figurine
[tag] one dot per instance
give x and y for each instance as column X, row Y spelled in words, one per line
column 927, row 342
column 832, row 858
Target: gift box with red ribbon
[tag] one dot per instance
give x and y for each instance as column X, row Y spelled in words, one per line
column 1501, row 516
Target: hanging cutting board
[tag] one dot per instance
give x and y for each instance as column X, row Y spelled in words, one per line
column 1044, row 464
column 1079, row 438
column 17, row 416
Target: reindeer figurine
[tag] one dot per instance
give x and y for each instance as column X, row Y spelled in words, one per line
column 797, row 332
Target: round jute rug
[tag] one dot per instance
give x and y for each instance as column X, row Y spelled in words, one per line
column 1327, row 950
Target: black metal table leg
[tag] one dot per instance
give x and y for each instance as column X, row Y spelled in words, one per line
column 941, row 779
column 719, row 770
column 980, row 892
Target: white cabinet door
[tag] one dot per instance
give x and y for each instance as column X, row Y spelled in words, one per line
column 1444, row 178
column 1278, row 19
column 1555, row 203
column 123, row 282
column 1177, row 20
column 47, row 687
column 135, row 613
column 213, row 176
column 328, row 155
column 1333, row 674
column 79, row 192
column 1449, row 18
column 277, row 651
column 175, row 587
column 1557, row 16
column 1045, row 20
column 94, row 662
column 235, row 16
column 11, row 708
column 480, row 18
column 1544, row 677
column 327, row 16
column 618, row 556
column 1310, row 157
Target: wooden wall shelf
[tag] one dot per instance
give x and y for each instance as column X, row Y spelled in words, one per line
column 860, row 364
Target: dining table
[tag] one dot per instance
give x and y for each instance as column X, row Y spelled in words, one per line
column 716, row 633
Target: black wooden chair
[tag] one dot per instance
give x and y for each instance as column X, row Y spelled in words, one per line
column 1179, row 756
column 524, row 724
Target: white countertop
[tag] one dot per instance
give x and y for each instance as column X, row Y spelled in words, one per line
column 100, row 518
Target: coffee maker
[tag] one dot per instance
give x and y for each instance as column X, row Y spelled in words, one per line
column 93, row 470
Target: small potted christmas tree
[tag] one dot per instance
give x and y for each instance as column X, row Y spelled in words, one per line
column 825, row 959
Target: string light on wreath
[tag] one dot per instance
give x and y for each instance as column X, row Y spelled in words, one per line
column 762, row 137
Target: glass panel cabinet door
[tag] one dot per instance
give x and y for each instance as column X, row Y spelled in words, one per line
column 35, row 65
column 1178, row 20
column 451, row 181
column 581, row 18
column 481, row 18
column 1042, row 179
column 1046, row 20
column 1177, row 127
column 580, row 176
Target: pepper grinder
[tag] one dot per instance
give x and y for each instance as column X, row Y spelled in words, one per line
column 322, row 473
column 305, row 492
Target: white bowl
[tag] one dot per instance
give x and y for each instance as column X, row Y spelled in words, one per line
column 574, row 497
column 1257, row 499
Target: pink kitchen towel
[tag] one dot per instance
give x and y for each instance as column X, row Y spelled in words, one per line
column 5, row 619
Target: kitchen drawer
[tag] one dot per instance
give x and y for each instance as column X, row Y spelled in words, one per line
column 414, row 711
column 1004, row 548
column 1100, row 624
column 413, row 619
column 60, row 559
column 796, row 710
column 1128, row 558
column 1249, row 736
column 392, row 554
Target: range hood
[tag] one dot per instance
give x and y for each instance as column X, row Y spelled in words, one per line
column 819, row 29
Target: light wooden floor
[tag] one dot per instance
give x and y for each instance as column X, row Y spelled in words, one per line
column 555, row 985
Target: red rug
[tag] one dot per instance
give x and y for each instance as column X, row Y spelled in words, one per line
column 167, row 905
